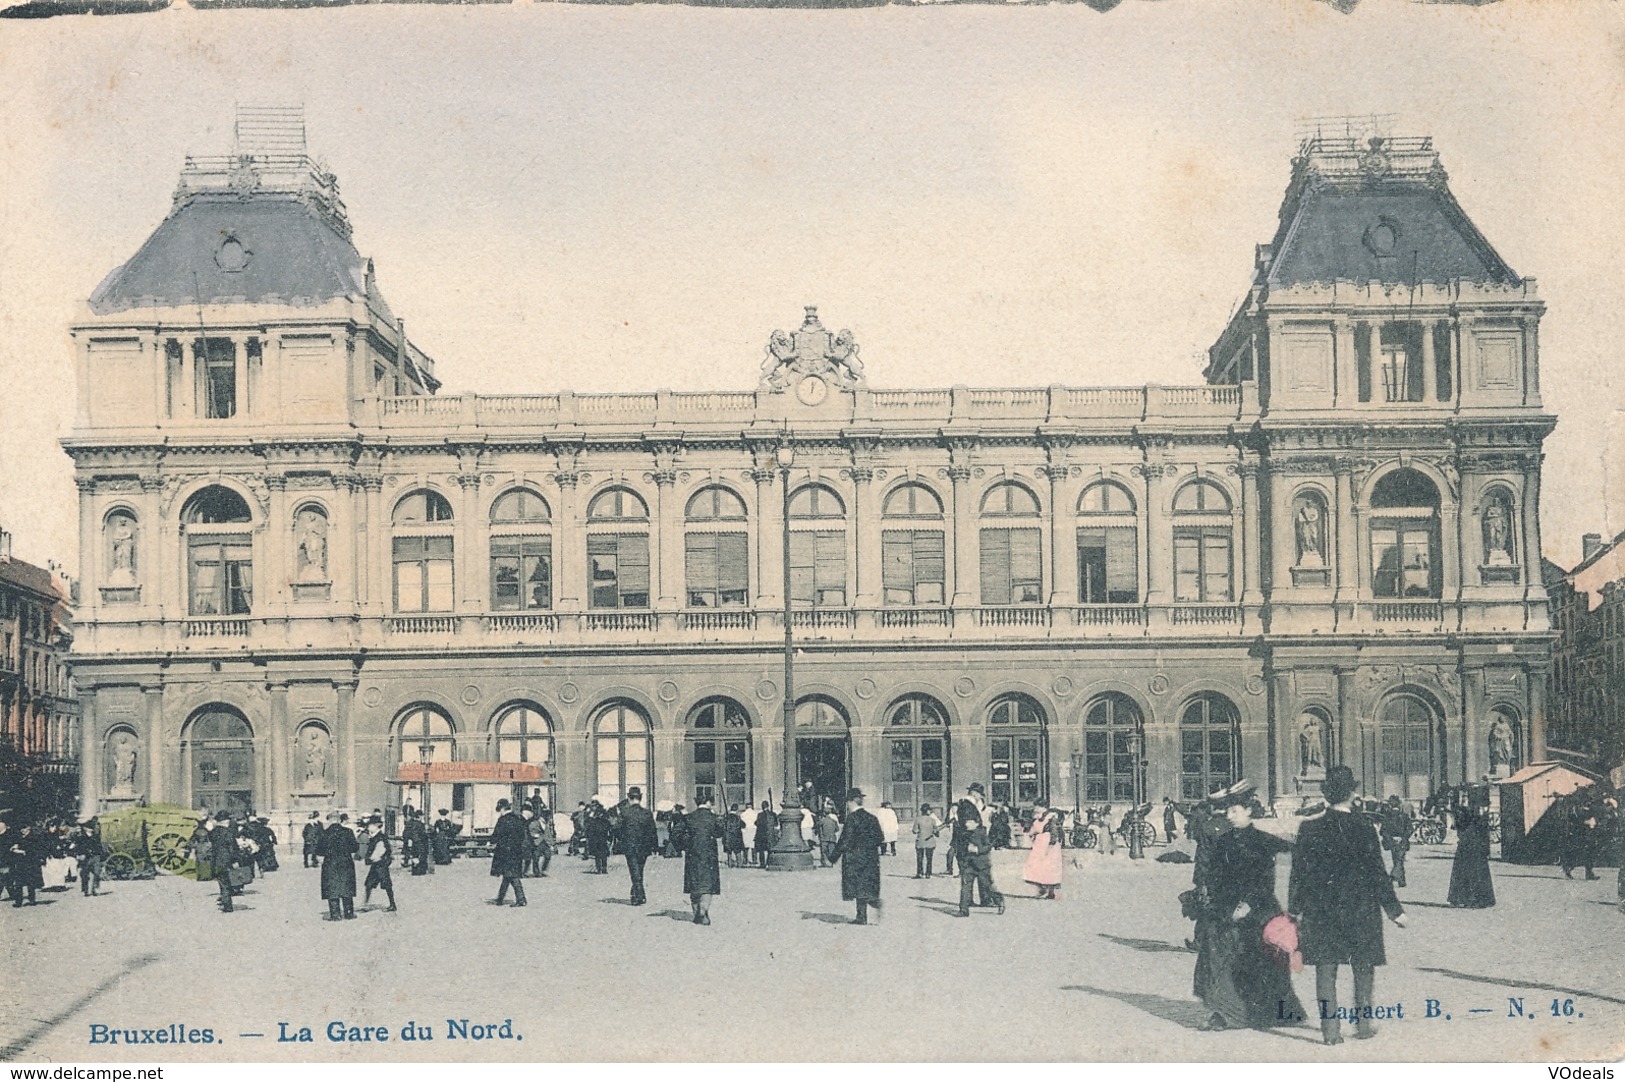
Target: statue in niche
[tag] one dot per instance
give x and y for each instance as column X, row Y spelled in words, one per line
column 1500, row 747
column 1497, row 532
column 1309, row 525
column 1311, row 746
column 121, row 541
column 310, row 546
column 124, row 762
column 315, row 741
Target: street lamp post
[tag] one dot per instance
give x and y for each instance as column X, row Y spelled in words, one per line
column 425, row 756
column 789, row 853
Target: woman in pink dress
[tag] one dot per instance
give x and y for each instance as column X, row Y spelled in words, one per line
column 1043, row 868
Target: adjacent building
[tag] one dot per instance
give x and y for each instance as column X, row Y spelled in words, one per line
column 39, row 714
column 1587, row 713
column 304, row 567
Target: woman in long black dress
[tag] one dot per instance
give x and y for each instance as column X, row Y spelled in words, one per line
column 1470, row 883
column 1244, row 986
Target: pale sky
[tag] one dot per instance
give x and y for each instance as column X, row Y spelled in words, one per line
column 624, row 198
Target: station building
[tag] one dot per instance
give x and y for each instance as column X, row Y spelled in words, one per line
column 303, row 567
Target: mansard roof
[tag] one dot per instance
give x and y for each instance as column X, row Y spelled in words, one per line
column 217, row 248
column 1379, row 210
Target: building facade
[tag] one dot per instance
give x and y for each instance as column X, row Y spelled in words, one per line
column 303, row 567
column 39, row 714
column 1587, row 712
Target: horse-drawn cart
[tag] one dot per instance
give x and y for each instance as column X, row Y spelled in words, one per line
column 145, row 840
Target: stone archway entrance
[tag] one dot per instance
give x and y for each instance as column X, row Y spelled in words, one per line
column 221, row 748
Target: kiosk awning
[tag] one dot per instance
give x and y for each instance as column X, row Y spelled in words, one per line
column 470, row 773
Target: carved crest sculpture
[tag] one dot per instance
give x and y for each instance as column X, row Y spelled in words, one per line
column 811, row 352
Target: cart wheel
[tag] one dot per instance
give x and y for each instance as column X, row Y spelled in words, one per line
column 119, row 866
column 1146, row 832
column 168, row 852
column 1091, row 840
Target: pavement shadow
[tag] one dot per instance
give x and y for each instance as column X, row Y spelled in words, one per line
column 1505, row 982
column 45, row 1025
column 616, row 901
column 684, row 915
column 1181, row 1012
column 1427, row 905
column 1150, row 946
column 827, row 918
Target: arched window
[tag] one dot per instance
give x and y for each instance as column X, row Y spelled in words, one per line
column 919, row 754
column 215, row 505
column 524, row 735
column 913, row 559
column 1017, row 750
column 1113, row 745
column 823, row 750
column 423, row 550
column 1011, row 550
column 1405, row 536
column 521, row 552
column 1407, row 746
column 1202, row 544
column 220, row 553
column 1108, row 546
column 424, row 735
column 424, row 505
column 618, row 550
column 621, row 735
column 313, row 758
column 716, row 550
column 1209, row 746
column 719, row 751
column 220, row 746
column 817, row 548
column 820, row 713
column 1314, row 744
column 120, row 531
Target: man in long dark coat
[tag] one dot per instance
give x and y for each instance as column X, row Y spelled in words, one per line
column 311, row 840
column 975, row 862
column 224, row 855
column 702, row 879
column 1396, row 836
column 338, row 852
column 764, row 834
column 441, row 835
column 378, row 856
column 415, row 842
column 511, row 842
column 638, row 840
column 859, row 854
column 1340, row 891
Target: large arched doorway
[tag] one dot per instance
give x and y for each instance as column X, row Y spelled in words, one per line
column 719, row 751
column 823, row 749
column 1113, row 735
column 917, row 740
column 220, row 745
column 1408, row 757
column 1018, row 771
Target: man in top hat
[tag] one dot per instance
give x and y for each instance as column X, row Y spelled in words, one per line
column 1396, row 836
column 224, row 855
column 377, row 857
column 415, row 840
column 859, row 854
column 90, row 853
column 338, row 851
column 702, row 879
column 510, row 841
column 1340, row 890
column 311, row 838
column 638, row 839
column 971, row 807
column 975, row 861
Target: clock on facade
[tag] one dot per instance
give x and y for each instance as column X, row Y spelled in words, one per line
column 812, row 391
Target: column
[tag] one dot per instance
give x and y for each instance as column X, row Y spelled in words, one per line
column 1281, row 723
column 154, row 347
column 276, row 795
column 869, row 762
column 768, row 542
column 90, row 754
column 866, row 535
column 668, row 560
column 570, row 555
column 92, row 552
column 277, row 551
column 239, row 367
column 767, row 758
column 1063, row 550
column 1348, row 392
column 967, row 570
column 152, row 743
column 345, row 720
column 1535, row 750
column 1347, row 736
column 378, row 558
column 1529, row 523
column 472, row 588
column 1430, row 369
column 1251, row 558
column 1347, row 544
column 186, row 393
column 669, row 771
column 1531, row 365
column 1159, row 537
